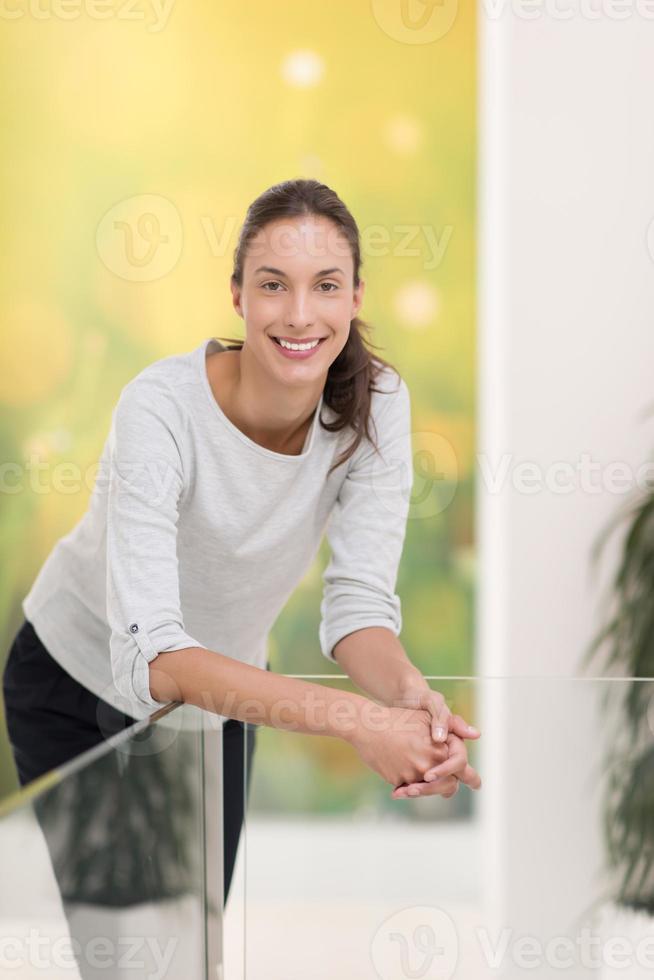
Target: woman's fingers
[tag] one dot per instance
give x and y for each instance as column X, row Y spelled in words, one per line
column 439, row 714
column 440, row 717
column 444, row 779
column 451, row 792
column 470, row 777
column 443, row 721
column 456, row 764
column 460, row 727
column 456, row 759
column 447, row 787
column 467, row 775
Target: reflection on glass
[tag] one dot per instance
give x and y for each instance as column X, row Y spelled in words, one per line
column 523, row 878
column 104, row 869
column 546, row 871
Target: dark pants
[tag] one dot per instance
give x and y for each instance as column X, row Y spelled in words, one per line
column 51, row 718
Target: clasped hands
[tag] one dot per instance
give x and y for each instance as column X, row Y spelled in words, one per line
column 447, row 748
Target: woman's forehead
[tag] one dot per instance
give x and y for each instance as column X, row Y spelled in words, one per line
column 307, row 243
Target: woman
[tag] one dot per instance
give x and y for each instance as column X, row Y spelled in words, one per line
column 222, row 470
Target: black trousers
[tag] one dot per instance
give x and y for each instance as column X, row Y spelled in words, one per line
column 51, row 718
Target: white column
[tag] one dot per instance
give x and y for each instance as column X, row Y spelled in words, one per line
column 566, row 372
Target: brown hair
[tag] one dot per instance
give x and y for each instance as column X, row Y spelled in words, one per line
column 352, row 374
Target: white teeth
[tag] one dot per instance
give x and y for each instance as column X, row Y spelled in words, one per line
column 288, row 346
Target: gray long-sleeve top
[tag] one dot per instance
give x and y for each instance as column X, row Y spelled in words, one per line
column 196, row 536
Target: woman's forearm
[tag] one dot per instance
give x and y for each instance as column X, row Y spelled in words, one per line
column 377, row 663
column 234, row 689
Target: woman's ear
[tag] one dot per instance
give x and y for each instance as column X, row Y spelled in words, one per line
column 236, row 297
column 358, row 298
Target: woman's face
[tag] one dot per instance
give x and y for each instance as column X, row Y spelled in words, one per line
column 297, row 286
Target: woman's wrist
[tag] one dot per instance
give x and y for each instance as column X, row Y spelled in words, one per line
column 365, row 717
column 346, row 715
column 410, row 688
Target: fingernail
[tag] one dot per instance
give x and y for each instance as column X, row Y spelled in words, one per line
column 413, row 792
column 439, row 733
column 429, row 776
column 473, row 730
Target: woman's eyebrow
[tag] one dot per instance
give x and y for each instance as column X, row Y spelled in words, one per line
column 280, row 272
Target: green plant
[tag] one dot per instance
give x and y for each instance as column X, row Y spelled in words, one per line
column 125, row 829
column 627, row 641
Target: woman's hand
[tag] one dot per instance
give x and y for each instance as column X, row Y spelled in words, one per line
column 399, row 745
column 438, row 780
column 444, row 727
column 442, row 719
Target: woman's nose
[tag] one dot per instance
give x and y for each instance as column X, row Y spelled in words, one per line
column 299, row 312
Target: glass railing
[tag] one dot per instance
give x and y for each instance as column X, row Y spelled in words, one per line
column 111, row 864
column 546, row 871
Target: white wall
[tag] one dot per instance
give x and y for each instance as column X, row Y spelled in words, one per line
column 566, row 311
column 566, row 368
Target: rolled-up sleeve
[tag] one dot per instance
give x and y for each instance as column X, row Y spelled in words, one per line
column 367, row 527
column 145, row 482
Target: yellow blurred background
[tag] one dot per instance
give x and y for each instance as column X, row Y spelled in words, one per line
column 136, row 136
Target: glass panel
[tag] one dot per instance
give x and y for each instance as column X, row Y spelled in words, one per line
column 547, row 868
column 240, row 746
column 106, row 861
column 546, row 871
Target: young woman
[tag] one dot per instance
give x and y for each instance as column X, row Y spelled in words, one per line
column 222, row 470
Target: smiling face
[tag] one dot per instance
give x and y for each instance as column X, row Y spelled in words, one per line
column 298, row 289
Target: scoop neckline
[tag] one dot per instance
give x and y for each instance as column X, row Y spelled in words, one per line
column 241, row 436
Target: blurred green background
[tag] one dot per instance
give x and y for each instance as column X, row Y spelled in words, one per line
column 135, row 142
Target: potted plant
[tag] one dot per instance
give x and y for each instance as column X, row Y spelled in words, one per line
column 625, row 642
